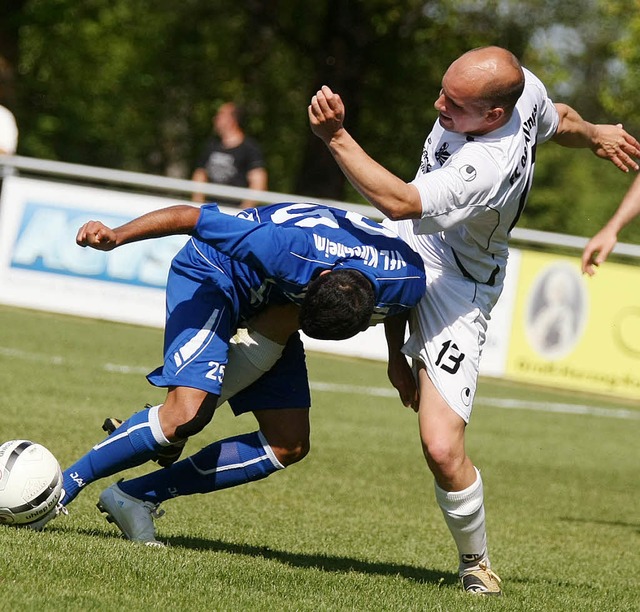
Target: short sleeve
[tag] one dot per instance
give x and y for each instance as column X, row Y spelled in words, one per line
column 450, row 194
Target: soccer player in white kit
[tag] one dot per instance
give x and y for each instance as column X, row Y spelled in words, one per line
column 470, row 189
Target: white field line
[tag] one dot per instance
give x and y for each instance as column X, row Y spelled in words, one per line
column 492, row 402
column 26, row 356
column 324, row 387
column 125, row 369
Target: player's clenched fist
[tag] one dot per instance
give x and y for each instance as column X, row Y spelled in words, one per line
column 97, row 236
column 326, row 113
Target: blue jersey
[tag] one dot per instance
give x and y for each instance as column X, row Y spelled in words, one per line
column 235, row 265
column 271, row 253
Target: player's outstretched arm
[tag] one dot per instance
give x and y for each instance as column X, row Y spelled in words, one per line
column 601, row 245
column 180, row 219
column 607, row 141
column 388, row 193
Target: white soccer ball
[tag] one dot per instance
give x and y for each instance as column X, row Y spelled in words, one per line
column 30, row 483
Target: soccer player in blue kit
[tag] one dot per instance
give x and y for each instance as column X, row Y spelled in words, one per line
column 264, row 273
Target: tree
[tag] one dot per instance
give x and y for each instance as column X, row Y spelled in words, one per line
column 10, row 19
column 134, row 85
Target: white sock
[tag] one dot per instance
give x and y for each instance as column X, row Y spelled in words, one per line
column 464, row 514
column 156, row 428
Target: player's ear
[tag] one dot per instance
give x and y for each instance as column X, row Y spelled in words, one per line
column 494, row 115
column 324, row 272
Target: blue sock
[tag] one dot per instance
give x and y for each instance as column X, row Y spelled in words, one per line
column 223, row 464
column 130, row 445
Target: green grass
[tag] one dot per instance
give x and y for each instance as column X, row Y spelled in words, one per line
column 353, row 527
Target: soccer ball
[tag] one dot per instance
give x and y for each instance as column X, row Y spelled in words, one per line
column 30, row 484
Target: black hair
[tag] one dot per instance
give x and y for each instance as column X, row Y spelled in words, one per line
column 337, row 306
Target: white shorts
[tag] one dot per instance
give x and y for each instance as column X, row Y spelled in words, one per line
column 448, row 330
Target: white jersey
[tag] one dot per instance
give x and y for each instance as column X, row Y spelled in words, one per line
column 474, row 188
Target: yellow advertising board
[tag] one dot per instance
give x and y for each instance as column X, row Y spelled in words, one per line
column 573, row 331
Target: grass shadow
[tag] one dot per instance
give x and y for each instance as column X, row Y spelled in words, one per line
column 327, row 563
column 585, row 521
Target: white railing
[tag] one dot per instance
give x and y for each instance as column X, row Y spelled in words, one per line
column 155, row 183
column 184, row 188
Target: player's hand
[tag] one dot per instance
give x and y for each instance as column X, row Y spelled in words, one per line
column 614, row 143
column 597, row 250
column 326, row 113
column 96, row 235
column 401, row 377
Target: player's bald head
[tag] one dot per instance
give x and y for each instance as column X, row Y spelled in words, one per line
column 493, row 75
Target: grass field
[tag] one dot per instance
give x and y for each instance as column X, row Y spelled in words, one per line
column 354, row 526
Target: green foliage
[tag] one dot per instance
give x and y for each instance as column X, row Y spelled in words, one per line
column 134, row 85
column 596, row 191
column 352, row 527
column 620, row 93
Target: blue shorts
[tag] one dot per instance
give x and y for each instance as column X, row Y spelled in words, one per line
column 285, row 385
column 202, row 316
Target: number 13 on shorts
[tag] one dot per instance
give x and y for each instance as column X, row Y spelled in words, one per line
column 450, row 357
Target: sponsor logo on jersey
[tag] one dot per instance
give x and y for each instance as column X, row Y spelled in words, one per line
column 370, row 256
column 425, row 164
column 527, row 126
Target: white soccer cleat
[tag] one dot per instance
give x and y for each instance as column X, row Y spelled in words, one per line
column 481, row 580
column 132, row 516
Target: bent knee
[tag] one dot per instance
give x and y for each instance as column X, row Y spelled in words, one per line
column 181, row 420
column 443, row 457
column 291, row 452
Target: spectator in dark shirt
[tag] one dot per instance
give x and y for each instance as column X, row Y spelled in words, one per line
column 232, row 158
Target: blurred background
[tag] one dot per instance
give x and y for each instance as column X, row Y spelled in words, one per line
column 133, row 85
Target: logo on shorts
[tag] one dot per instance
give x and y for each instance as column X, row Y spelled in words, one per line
column 465, row 396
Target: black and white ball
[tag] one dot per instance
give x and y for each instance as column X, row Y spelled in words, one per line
column 30, row 483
